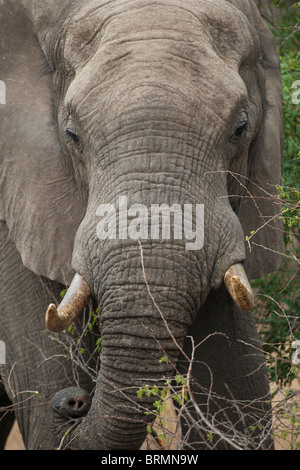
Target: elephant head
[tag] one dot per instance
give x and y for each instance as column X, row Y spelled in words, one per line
column 174, row 103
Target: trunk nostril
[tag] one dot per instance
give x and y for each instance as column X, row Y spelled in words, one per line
column 72, row 401
column 76, row 404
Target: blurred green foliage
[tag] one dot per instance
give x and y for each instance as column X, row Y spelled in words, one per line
column 278, row 310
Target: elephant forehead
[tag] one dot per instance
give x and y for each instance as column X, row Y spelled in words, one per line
column 143, row 51
column 165, row 91
column 137, row 24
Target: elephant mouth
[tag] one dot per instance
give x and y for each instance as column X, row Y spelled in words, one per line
column 78, row 294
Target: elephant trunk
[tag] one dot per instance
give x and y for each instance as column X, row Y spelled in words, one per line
column 133, row 364
column 141, row 340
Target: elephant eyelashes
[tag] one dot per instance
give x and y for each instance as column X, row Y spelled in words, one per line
column 72, row 135
column 241, row 128
column 71, row 132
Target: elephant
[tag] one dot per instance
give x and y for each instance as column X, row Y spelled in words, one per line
column 114, row 110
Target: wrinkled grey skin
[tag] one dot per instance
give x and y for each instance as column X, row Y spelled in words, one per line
column 148, row 100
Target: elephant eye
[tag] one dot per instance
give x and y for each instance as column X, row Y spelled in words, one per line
column 72, row 135
column 242, row 126
column 239, row 131
column 71, row 131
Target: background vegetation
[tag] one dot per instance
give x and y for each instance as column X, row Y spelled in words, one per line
column 278, row 308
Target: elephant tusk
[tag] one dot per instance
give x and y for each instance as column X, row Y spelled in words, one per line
column 238, row 286
column 58, row 319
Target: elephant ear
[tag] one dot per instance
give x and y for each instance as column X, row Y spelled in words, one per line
column 260, row 206
column 40, row 201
